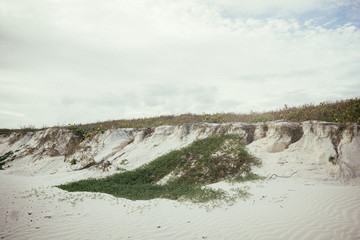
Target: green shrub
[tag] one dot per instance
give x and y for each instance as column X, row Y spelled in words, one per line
column 73, row 161
column 332, row 160
column 4, row 157
column 78, row 131
column 84, row 131
column 5, row 131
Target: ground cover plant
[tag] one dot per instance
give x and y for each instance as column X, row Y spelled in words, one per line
column 188, row 170
column 4, row 157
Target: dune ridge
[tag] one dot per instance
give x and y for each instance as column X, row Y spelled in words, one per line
column 304, row 195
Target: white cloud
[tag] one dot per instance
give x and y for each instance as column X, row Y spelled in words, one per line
column 278, row 7
column 83, row 61
column 11, row 113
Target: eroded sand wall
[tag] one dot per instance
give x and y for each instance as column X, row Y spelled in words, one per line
column 332, row 147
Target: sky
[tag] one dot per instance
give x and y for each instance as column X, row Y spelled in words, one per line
column 82, row 61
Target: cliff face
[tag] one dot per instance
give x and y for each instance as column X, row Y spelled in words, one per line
column 309, row 149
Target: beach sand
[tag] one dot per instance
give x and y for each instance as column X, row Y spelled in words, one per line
column 303, row 195
column 31, row 208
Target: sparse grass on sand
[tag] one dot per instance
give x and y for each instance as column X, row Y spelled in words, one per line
column 206, row 161
column 345, row 111
column 340, row 111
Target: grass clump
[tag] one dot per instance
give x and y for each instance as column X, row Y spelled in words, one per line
column 124, row 162
column 4, row 157
column 73, row 161
column 4, row 131
column 332, row 159
column 203, row 162
column 86, row 131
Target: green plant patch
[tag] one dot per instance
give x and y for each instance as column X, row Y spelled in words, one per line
column 332, row 160
column 203, row 162
column 124, row 162
column 4, row 131
column 73, row 161
column 4, row 157
column 121, row 169
column 85, row 131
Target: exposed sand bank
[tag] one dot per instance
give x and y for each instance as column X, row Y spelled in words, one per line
column 319, row 201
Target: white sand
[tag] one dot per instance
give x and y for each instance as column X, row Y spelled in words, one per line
column 278, row 209
column 319, row 200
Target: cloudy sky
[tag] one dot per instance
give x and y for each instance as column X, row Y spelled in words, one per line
column 79, row 61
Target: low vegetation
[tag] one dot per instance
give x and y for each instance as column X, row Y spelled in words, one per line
column 188, row 170
column 5, row 157
column 332, row 159
column 86, row 131
column 345, row 111
column 341, row 111
column 73, row 161
column 4, row 131
column 88, row 165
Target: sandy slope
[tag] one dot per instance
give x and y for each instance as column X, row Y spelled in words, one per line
column 278, row 209
column 318, row 201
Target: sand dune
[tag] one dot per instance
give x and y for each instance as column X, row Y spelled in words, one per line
column 318, row 201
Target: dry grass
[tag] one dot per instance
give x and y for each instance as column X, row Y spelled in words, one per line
column 344, row 111
column 340, row 111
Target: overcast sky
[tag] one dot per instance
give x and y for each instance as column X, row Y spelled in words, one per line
column 80, row 61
